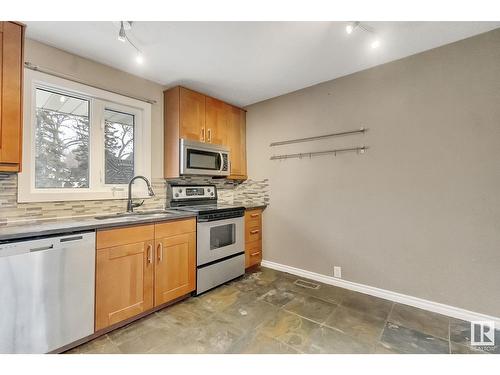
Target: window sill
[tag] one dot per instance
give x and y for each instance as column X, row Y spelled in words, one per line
column 63, row 196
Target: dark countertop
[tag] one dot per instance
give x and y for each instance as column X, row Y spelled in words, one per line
column 256, row 205
column 46, row 227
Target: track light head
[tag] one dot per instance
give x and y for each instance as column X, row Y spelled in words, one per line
column 351, row 27
column 122, row 37
column 375, row 43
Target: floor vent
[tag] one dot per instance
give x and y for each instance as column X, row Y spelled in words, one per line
column 306, row 284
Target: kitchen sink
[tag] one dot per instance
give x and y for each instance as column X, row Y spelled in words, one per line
column 138, row 214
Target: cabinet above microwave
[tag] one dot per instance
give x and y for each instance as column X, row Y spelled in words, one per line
column 192, row 116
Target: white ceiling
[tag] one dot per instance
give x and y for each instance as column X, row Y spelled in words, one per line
column 247, row 62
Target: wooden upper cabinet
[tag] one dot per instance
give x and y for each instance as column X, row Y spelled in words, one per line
column 236, row 141
column 11, row 77
column 191, row 115
column 217, row 118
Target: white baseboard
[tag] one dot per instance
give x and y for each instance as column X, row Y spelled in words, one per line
column 436, row 307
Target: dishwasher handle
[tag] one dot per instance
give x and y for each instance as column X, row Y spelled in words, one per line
column 68, row 239
column 51, row 246
column 41, row 248
column 43, row 244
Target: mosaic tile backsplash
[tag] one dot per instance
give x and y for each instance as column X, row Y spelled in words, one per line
column 249, row 192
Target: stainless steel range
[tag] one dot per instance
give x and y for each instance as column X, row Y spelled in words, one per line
column 220, row 251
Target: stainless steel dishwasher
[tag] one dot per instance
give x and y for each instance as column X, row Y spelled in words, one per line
column 46, row 292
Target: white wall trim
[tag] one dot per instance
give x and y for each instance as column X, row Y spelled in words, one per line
column 436, row 307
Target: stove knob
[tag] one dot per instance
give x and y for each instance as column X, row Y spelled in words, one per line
column 212, row 194
column 176, row 195
column 180, row 190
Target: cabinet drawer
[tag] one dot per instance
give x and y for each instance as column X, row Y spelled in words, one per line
column 253, row 253
column 253, row 218
column 253, row 233
column 174, row 228
column 125, row 235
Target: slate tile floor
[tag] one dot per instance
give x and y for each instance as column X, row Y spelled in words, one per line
column 266, row 312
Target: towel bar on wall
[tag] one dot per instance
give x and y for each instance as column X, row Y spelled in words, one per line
column 308, row 139
column 359, row 150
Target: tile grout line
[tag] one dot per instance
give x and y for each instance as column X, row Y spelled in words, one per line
column 386, row 321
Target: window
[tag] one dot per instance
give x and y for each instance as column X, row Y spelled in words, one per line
column 119, row 147
column 81, row 142
column 61, row 141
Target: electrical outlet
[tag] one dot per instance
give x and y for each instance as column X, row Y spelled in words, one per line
column 337, row 272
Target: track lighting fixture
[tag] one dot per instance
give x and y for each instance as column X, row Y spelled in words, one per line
column 375, row 43
column 123, row 37
column 352, row 26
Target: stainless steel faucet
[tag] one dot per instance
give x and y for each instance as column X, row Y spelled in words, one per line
column 130, row 204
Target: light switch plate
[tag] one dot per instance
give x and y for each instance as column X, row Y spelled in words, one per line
column 337, row 272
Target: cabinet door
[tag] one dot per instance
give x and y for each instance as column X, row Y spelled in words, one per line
column 11, row 70
column 124, row 282
column 192, row 115
column 175, row 268
column 217, row 121
column 236, row 141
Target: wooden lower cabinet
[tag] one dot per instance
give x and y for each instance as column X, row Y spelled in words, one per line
column 253, row 237
column 144, row 266
column 124, row 283
column 175, row 270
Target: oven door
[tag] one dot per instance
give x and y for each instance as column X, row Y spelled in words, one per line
column 219, row 239
column 200, row 159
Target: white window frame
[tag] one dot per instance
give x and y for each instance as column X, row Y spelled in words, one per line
column 99, row 100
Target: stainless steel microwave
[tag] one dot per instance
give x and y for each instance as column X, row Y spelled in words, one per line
column 197, row 158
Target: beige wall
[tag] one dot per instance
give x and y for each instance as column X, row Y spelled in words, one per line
column 419, row 213
column 108, row 78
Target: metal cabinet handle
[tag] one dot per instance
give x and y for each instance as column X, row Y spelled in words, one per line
column 254, row 254
column 160, row 252
column 203, row 134
column 255, row 231
column 150, row 253
column 209, row 135
column 254, row 215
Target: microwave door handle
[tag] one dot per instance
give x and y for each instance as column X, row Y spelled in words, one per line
column 221, row 162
